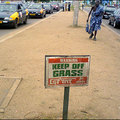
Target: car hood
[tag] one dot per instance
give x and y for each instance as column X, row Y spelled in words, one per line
column 34, row 10
column 48, row 9
column 5, row 14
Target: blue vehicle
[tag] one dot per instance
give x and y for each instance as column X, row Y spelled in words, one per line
column 115, row 19
column 48, row 7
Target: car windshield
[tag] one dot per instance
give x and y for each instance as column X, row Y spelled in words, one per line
column 8, row 8
column 35, row 6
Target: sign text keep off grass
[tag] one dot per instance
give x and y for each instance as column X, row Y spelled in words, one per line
column 67, row 70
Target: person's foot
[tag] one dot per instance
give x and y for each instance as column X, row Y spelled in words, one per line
column 94, row 38
column 91, row 36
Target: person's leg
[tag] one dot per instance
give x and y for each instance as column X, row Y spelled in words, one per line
column 91, row 35
column 95, row 35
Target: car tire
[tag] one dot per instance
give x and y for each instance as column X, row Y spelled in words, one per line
column 114, row 24
column 15, row 25
column 109, row 22
column 42, row 16
column 25, row 22
column 45, row 15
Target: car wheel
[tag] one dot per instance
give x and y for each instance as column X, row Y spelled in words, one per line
column 114, row 24
column 109, row 22
column 15, row 25
column 42, row 16
column 45, row 15
column 25, row 22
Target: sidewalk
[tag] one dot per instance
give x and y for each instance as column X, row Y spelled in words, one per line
column 23, row 56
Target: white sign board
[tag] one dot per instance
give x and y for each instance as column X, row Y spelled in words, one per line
column 66, row 70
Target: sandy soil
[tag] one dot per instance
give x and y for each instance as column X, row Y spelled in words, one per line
column 23, row 56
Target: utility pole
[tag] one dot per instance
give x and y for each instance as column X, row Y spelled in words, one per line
column 76, row 12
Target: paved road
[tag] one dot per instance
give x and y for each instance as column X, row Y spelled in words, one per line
column 6, row 30
column 105, row 21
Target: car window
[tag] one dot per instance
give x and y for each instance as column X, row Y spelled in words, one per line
column 119, row 12
column 35, row 6
column 115, row 12
column 22, row 7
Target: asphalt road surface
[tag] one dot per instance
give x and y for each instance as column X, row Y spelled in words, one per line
column 6, row 30
column 105, row 21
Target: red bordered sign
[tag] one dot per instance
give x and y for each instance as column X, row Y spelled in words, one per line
column 66, row 70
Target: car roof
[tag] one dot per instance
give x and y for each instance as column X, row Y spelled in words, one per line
column 110, row 6
column 10, row 3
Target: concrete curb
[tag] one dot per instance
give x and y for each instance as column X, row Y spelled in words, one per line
column 10, row 94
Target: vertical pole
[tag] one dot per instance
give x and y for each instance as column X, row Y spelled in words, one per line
column 65, row 103
column 76, row 12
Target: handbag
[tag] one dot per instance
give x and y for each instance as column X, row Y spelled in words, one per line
column 87, row 27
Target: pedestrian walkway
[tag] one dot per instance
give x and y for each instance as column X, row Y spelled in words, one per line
column 23, row 55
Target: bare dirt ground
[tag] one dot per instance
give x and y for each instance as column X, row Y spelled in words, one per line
column 24, row 54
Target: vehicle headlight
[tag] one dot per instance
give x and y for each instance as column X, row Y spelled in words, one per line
column 8, row 18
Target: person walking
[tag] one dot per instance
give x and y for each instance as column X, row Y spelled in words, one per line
column 66, row 6
column 69, row 6
column 63, row 7
column 96, row 13
column 82, row 6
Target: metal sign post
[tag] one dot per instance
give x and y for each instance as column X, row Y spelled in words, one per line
column 66, row 102
column 66, row 71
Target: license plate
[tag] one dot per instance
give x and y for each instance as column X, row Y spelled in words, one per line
column 5, row 21
column 0, row 21
column 32, row 14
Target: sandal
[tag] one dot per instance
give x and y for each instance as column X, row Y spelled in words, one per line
column 94, row 38
column 91, row 36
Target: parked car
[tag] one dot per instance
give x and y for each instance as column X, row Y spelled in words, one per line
column 108, row 10
column 61, row 5
column 55, row 6
column 115, row 18
column 37, row 10
column 48, row 7
column 12, row 14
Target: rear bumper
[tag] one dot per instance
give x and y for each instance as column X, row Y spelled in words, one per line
column 106, row 16
column 56, row 8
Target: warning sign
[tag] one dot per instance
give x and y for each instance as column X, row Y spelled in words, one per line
column 66, row 70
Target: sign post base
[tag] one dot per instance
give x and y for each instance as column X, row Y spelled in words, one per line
column 65, row 103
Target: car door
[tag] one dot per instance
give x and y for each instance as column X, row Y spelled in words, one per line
column 20, row 14
column 44, row 10
column 23, row 13
column 113, row 17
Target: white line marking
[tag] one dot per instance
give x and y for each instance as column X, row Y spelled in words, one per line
column 4, row 39
column 106, row 26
